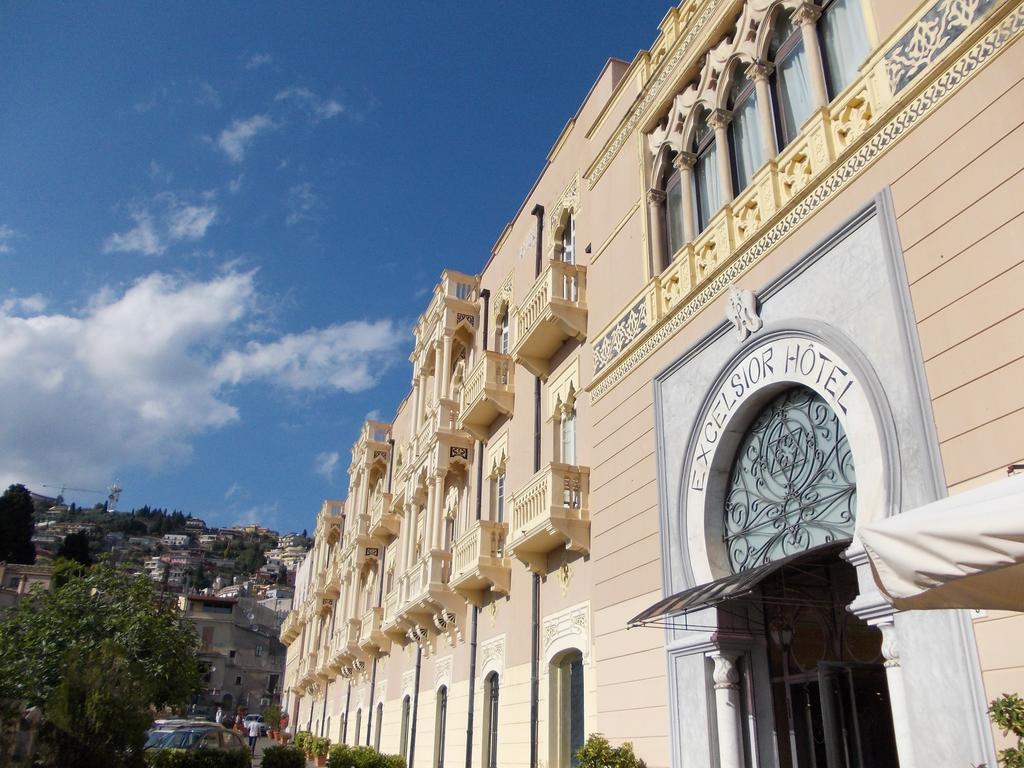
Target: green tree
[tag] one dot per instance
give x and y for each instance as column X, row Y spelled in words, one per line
column 16, row 526
column 1007, row 712
column 76, row 547
column 41, row 635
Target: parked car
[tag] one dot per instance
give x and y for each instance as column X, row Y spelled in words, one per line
column 161, row 728
column 257, row 718
column 203, row 737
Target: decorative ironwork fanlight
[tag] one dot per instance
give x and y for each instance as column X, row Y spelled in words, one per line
column 792, row 485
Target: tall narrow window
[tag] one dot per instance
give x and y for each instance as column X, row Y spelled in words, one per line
column 567, row 709
column 569, row 289
column 404, row 743
column 380, row 719
column 359, row 726
column 674, row 231
column 844, row 42
column 790, row 79
column 568, row 428
column 491, row 721
column 499, row 496
column 747, row 149
column 707, row 187
column 503, row 332
column 439, row 726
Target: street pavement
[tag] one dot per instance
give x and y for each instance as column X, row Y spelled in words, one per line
column 262, row 743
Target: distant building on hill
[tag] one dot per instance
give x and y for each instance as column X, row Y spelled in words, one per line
column 17, row 580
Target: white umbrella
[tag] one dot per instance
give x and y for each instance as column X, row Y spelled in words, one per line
column 964, row 551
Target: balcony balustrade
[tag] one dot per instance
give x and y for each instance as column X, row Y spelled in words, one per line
column 391, row 622
column 453, row 305
column 372, row 639
column 360, row 547
column 345, row 647
column 486, row 394
column 425, row 598
column 549, row 512
column 372, row 445
column 290, row 628
column 479, row 562
column 554, row 310
column 384, row 522
column 440, row 432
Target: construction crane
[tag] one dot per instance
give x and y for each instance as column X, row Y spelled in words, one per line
column 113, row 493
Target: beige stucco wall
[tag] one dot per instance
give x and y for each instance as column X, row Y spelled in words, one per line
column 956, row 186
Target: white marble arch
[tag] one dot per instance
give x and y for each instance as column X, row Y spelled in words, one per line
column 826, row 362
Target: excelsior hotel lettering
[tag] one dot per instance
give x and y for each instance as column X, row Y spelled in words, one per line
column 796, row 360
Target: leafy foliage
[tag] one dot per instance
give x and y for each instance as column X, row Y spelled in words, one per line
column 283, row 757
column 597, row 752
column 1007, row 712
column 96, row 717
column 344, row 756
column 16, row 526
column 176, row 758
column 39, row 636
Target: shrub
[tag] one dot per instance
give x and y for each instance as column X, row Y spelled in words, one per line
column 1007, row 712
column 344, row 756
column 301, row 740
column 176, row 758
column 272, row 717
column 283, row 757
column 598, row 753
column 318, row 745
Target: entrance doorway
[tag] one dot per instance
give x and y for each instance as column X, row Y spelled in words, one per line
column 830, row 697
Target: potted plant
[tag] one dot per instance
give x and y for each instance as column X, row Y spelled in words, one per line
column 320, row 746
column 300, row 741
column 271, row 716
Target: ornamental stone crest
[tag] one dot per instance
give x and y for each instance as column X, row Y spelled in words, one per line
column 742, row 312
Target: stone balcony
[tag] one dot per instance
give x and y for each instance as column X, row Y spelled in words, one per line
column 454, row 305
column 384, row 522
column 391, row 622
column 550, row 512
column 553, row 311
column 486, row 394
column 426, row 601
column 290, row 628
column 479, row 562
column 360, row 548
column 345, row 647
column 440, row 433
column 372, row 446
column 307, row 670
column 372, row 638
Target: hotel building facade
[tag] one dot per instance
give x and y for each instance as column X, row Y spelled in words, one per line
column 766, row 290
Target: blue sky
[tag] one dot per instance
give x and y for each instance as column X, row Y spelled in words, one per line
column 218, row 222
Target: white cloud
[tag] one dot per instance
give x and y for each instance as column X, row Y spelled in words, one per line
column 153, row 232
column 190, row 222
column 326, row 463
column 142, row 238
column 301, row 202
column 158, row 173
column 6, row 235
column 233, row 489
column 134, row 377
column 258, row 60
column 28, row 305
column 318, row 108
column 373, row 415
column 208, row 96
column 234, row 140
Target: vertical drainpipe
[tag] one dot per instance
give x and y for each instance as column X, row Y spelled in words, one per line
column 486, row 296
column 415, row 705
column 380, row 597
column 538, row 211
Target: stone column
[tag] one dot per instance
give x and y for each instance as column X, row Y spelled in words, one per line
column 437, row 530
column 438, row 373
column 684, row 162
column 659, row 243
column 446, row 370
column 428, row 523
column 410, row 537
column 719, row 121
column 759, row 72
column 897, row 694
column 806, row 17
column 727, row 709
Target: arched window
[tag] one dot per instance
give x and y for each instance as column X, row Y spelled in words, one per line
column 792, row 485
column 568, row 247
column 672, row 184
column 567, row 427
column 707, row 187
column 844, row 42
column 745, row 143
column 567, row 713
column 359, row 726
column 503, row 332
column 440, row 721
column 499, row 496
column 790, row 79
column 491, row 720
column 404, row 743
column 380, row 719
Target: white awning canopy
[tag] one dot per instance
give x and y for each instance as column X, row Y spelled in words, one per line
column 964, row 551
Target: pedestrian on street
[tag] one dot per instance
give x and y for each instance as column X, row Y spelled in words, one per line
column 254, row 733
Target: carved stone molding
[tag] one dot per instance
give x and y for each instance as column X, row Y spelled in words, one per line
column 408, row 681
column 742, row 312
column 566, row 629
column 443, row 672
column 492, row 657
column 726, row 674
column 656, row 197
